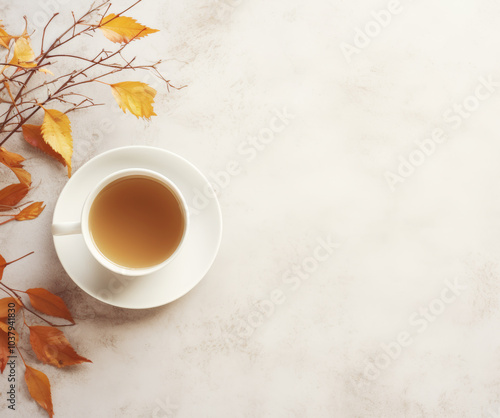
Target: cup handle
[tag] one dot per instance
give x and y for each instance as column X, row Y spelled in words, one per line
column 67, row 228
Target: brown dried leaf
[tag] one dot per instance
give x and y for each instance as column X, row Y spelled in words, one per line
column 135, row 96
column 48, row 303
column 123, row 29
column 33, row 136
column 39, row 388
column 51, row 347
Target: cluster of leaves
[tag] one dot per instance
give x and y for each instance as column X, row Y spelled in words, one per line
column 48, row 343
column 22, row 96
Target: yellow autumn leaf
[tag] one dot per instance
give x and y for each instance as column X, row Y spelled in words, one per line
column 23, row 53
column 135, row 96
column 4, row 37
column 33, row 135
column 123, row 29
column 56, row 132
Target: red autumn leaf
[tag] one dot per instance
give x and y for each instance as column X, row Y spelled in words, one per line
column 51, row 347
column 12, row 195
column 48, row 303
column 4, row 306
column 33, row 136
column 30, row 212
column 39, row 388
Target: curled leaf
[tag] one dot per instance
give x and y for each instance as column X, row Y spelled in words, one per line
column 48, row 303
column 39, row 388
column 51, row 347
column 56, row 132
column 12, row 195
column 30, row 212
column 23, row 53
column 33, row 136
column 4, row 306
column 135, row 96
column 123, row 29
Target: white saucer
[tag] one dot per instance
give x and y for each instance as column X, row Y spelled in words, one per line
column 179, row 276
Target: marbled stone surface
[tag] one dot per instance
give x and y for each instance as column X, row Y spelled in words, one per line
column 358, row 274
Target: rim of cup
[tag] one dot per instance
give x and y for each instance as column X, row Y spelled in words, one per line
column 94, row 250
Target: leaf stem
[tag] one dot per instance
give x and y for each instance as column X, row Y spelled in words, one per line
column 20, row 258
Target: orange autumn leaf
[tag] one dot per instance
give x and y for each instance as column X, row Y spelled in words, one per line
column 22, row 175
column 39, row 388
column 30, row 212
column 12, row 195
column 23, row 53
column 4, row 344
column 135, row 96
column 10, row 159
column 51, row 347
column 56, row 132
column 48, row 303
column 123, row 29
column 14, row 162
column 4, row 350
column 33, row 136
column 4, row 305
column 3, row 264
column 13, row 333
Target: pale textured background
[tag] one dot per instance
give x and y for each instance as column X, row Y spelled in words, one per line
column 323, row 175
